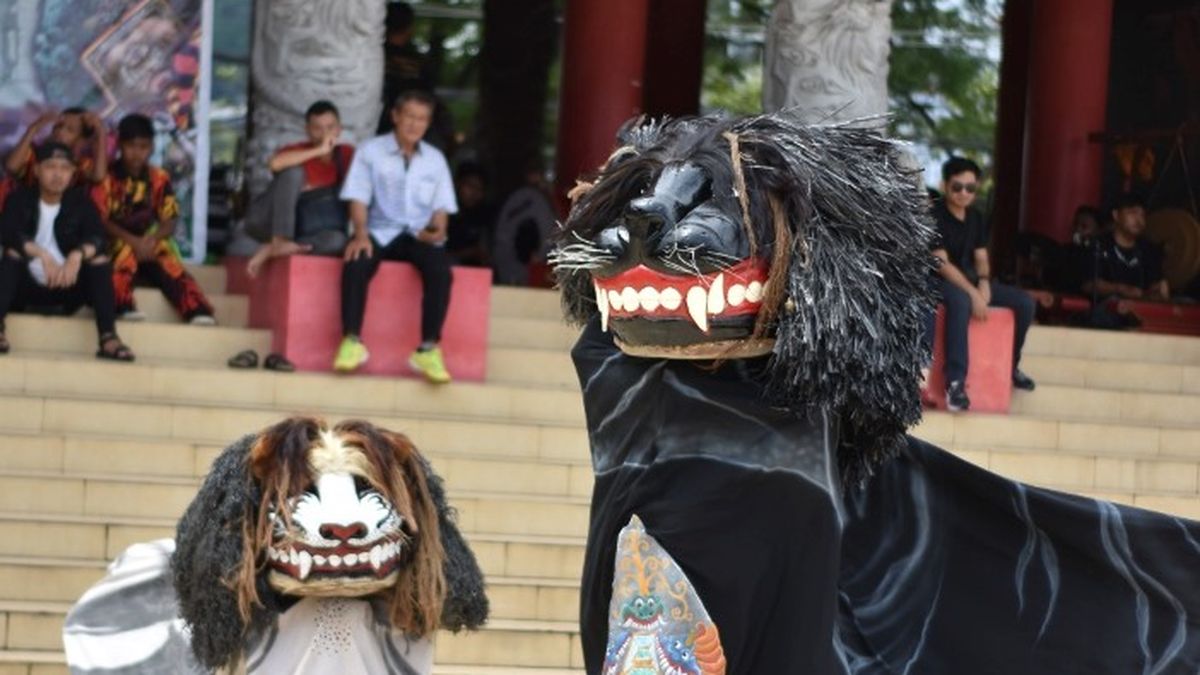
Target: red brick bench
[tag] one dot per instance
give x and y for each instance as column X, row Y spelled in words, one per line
column 299, row 299
column 989, row 372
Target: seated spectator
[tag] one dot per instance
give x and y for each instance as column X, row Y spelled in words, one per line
column 139, row 211
column 401, row 195
column 53, row 250
column 470, row 230
column 1071, row 267
column 1086, row 224
column 74, row 128
column 966, row 287
column 1128, row 265
column 301, row 212
column 524, row 229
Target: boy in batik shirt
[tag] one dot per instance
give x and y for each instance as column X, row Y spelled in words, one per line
column 139, row 209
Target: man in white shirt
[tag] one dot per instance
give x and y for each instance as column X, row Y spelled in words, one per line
column 401, row 195
column 54, row 250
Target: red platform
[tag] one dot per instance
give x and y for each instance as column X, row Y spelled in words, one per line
column 989, row 370
column 299, row 298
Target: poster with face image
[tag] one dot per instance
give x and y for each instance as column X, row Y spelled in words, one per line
column 115, row 57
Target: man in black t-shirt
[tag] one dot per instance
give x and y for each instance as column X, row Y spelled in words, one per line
column 966, row 286
column 1129, row 266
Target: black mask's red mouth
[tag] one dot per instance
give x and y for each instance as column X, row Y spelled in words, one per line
column 645, row 307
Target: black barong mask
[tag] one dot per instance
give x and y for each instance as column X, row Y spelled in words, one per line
column 713, row 238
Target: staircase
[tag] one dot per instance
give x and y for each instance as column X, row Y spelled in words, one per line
column 95, row 456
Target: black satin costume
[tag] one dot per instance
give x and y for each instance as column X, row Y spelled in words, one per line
column 933, row 567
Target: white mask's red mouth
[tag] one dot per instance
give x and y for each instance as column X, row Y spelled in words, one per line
column 301, row 561
column 643, row 293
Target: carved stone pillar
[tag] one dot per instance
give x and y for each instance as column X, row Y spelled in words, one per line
column 305, row 51
column 828, row 58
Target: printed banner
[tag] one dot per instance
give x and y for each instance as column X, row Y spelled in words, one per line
column 115, row 57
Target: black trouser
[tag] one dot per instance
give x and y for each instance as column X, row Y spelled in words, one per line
column 958, row 316
column 431, row 262
column 94, row 287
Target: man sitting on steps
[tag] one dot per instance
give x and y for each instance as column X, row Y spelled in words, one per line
column 966, row 288
column 53, row 250
column 401, row 195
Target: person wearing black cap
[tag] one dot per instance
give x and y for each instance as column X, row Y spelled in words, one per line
column 53, row 250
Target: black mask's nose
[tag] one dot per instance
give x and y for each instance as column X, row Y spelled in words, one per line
column 678, row 189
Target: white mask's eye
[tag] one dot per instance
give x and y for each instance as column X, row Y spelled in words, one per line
column 362, row 486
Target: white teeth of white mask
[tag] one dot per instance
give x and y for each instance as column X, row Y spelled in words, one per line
column 335, row 560
column 376, row 557
column 697, row 304
column 648, row 298
column 670, row 299
column 306, row 562
column 716, row 295
column 363, row 557
column 319, row 559
column 737, row 295
column 292, row 557
column 602, row 304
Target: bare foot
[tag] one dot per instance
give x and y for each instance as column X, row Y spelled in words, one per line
column 262, row 255
column 275, row 249
column 288, row 247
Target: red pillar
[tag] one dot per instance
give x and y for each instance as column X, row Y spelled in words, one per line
column 604, row 57
column 1068, row 99
column 674, row 57
column 1010, row 131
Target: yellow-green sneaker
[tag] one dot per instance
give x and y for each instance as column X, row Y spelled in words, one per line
column 351, row 354
column 429, row 363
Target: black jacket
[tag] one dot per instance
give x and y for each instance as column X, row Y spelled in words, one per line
column 78, row 221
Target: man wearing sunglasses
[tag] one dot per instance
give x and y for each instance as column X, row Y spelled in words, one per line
column 966, row 286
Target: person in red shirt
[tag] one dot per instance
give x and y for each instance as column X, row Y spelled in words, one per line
column 138, row 208
column 74, row 128
column 301, row 212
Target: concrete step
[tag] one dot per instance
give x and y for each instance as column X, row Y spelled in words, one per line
column 81, row 537
column 112, row 422
column 170, row 341
column 1102, row 438
column 210, row 277
column 92, row 494
column 1113, row 375
column 187, row 385
column 1101, row 405
column 1112, row 345
column 231, row 311
column 1083, row 473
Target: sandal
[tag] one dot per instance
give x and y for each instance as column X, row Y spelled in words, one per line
column 244, row 360
column 279, row 364
column 120, row 352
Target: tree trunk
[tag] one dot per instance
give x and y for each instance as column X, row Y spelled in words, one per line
column 308, row 50
column 828, row 59
column 519, row 39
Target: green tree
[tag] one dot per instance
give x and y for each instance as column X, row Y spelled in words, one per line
column 944, row 76
column 943, row 79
